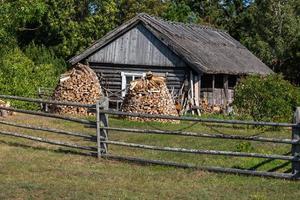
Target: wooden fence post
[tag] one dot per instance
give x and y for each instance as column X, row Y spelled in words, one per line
column 102, row 121
column 296, row 147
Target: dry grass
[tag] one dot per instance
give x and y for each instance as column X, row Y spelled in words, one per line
column 29, row 170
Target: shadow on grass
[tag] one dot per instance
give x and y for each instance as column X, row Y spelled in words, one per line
column 94, row 154
column 270, row 160
column 63, row 151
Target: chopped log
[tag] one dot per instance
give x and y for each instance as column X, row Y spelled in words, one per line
column 81, row 85
column 210, row 109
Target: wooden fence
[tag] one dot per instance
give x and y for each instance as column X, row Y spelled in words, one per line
column 102, row 137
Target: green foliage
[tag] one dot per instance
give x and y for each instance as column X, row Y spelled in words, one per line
column 21, row 76
column 269, row 98
column 180, row 12
column 41, row 54
column 71, row 25
column 271, row 30
column 128, row 9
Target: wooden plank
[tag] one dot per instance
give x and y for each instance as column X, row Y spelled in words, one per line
column 213, row 90
column 197, row 93
column 196, row 90
column 200, row 86
column 44, row 140
column 205, row 135
column 296, row 147
column 50, row 115
column 63, row 103
column 99, row 152
column 193, row 119
column 225, row 86
column 115, row 65
column 52, row 130
column 205, row 168
column 179, row 73
column 103, row 124
column 192, row 87
column 205, row 152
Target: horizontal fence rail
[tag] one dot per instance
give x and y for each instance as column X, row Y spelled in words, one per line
column 142, row 115
column 101, row 138
column 203, row 168
column 294, row 158
column 50, row 115
column 93, row 149
column 62, row 103
column 63, row 132
column 192, row 119
column 205, row 135
column 44, row 140
column 208, row 152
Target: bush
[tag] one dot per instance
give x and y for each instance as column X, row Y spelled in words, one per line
column 21, row 76
column 269, row 98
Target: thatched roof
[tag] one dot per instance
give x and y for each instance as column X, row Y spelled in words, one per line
column 205, row 49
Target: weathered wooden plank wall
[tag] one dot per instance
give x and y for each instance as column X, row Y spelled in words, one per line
column 219, row 96
column 137, row 47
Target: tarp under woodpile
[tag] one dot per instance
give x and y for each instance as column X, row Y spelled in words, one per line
column 149, row 95
column 80, row 85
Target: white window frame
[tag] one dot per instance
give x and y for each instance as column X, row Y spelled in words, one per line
column 126, row 74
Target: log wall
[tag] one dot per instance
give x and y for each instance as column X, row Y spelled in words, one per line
column 110, row 75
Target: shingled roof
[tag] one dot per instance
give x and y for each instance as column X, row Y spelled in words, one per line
column 205, row 49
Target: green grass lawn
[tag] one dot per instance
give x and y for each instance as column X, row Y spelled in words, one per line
column 31, row 170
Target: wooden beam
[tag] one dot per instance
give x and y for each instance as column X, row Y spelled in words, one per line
column 204, row 151
column 197, row 92
column 204, row 135
column 205, row 168
column 213, row 90
column 192, row 84
column 192, row 90
column 296, row 147
column 200, row 79
column 225, row 85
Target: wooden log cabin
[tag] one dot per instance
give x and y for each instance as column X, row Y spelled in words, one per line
column 206, row 61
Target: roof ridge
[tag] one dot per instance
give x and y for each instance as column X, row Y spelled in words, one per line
column 142, row 15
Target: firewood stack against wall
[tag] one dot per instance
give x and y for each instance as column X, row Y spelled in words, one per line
column 80, row 85
column 149, row 95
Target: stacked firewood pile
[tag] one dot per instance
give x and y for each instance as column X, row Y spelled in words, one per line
column 149, row 95
column 5, row 113
column 208, row 108
column 79, row 85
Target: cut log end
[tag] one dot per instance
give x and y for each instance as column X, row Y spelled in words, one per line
column 149, row 95
column 81, row 85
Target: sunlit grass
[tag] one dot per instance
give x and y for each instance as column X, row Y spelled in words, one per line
column 30, row 170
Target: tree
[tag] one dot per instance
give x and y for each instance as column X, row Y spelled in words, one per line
column 130, row 8
column 69, row 26
column 271, row 30
column 180, row 12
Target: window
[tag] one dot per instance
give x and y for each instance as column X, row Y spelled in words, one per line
column 127, row 78
column 232, row 81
